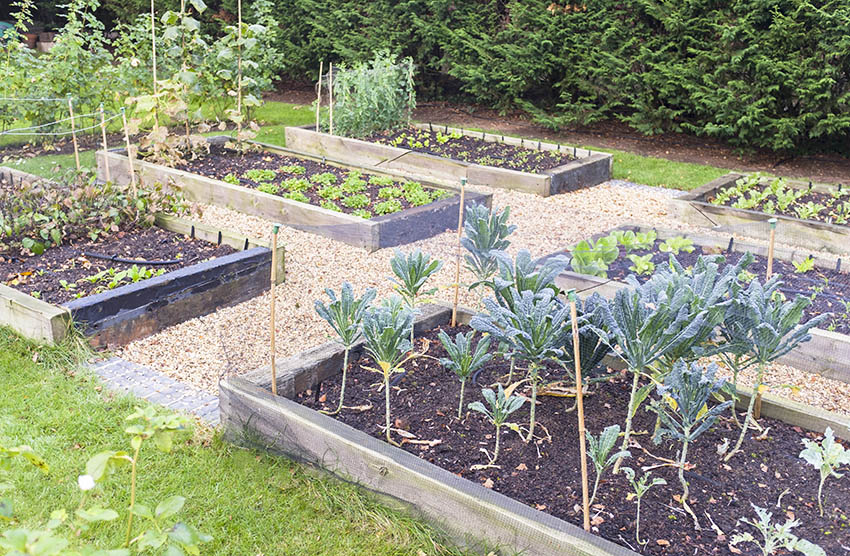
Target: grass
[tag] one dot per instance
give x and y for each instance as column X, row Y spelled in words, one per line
column 249, row 502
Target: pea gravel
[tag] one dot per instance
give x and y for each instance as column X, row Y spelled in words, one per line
column 235, row 340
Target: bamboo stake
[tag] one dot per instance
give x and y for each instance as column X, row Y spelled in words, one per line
column 239, row 71
column 580, row 408
column 155, row 86
column 105, row 145
column 74, row 132
column 457, row 249
column 331, row 96
column 319, row 95
column 129, row 151
column 768, row 274
column 272, row 292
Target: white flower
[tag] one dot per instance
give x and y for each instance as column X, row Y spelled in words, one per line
column 86, row 482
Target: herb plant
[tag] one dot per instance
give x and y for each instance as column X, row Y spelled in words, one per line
column 640, row 487
column 345, row 315
column 775, row 536
column 501, row 407
column 463, row 360
column 485, row 232
column 599, row 450
column 827, row 457
column 684, row 412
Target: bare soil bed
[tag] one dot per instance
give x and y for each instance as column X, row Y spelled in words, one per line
column 471, row 149
column 545, row 474
column 320, row 184
column 75, row 262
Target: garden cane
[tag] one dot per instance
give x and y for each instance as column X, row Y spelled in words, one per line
column 74, row 132
column 105, row 146
column 129, row 151
column 768, row 274
column 580, row 408
column 319, row 94
column 271, row 293
column 457, row 251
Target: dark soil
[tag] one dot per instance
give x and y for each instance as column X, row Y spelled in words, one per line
column 828, row 214
column 68, row 262
column 472, row 149
column 221, row 161
column 829, row 287
column 546, row 474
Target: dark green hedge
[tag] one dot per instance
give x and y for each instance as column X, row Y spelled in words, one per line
column 758, row 73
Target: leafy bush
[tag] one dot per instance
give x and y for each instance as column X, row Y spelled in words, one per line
column 292, row 169
column 593, row 258
column 374, row 96
column 297, row 196
column 330, row 205
column 361, row 213
column 259, row 175
column 775, row 536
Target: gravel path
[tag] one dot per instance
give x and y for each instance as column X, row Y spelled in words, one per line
column 235, row 339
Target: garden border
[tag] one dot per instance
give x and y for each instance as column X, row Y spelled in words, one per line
column 464, row 510
column 821, row 355
column 388, row 230
column 590, row 168
column 117, row 317
column 693, row 208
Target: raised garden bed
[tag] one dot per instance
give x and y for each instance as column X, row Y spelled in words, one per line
column 290, row 188
column 485, row 159
column 801, row 222
column 826, row 354
column 114, row 302
column 529, row 504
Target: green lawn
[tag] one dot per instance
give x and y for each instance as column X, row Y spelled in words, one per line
column 250, row 503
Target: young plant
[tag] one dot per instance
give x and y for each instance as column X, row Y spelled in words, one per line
column 642, row 264
column 827, row 457
column 804, row 266
column 345, row 316
column 501, row 407
column 776, row 536
column 632, row 241
column 640, row 487
column 676, row 244
column 809, row 211
column 386, row 330
column 411, row 272
column 524, row 274
column 684, row 412
column 485, row 232
column 535, row 330
column 599, row 450
column 463, row 360
column 387, row 207
column 593, row 258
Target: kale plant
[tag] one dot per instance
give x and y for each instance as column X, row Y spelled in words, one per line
column 345, row 315
column 827, row 457
column 501, row 407
column 484, row 233
column 411, row 273
column 640, row 487
column 535, row 330
column 524, row 274
column 776, row 536
column 684, row 412
column 386, row 329
column 592, row 349
column 599, row 450
column 463, row 360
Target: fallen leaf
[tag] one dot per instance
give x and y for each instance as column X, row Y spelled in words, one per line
column 323, row 398
column 764, row 468
column 662, row 542
column 488, row 483
column 522, row 467
column 734, row 550
column 540, row 507
column 597, row 520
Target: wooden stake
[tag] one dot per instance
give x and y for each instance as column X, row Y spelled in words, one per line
column 457, row 249
column 155, row 86
column 105, row 145
column 768, row 274
column 239, row 70
column 580, row 409
column 74, row 132
column 129, row 151
column 331, row 97
column 319, row 95
column 271, row 293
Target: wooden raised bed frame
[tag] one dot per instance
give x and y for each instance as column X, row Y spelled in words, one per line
column 694, row 209
column 388, row 230
column 827, row 352
column 590, row 167
column 117, row 317
column 469, row 513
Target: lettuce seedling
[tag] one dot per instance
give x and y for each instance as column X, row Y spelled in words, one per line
column 345, row 316
column 684, row 412
column 827, row 457
column 599, row 450
column 501, row 407
column 642, row 264
column 463, row 360
column 535, row 330
column 641, row 487
column 632, row 241
column 776, row 536
column 804, row 266
column 386, row 330
column 485, row 232
column 676, row 244
column 411, row 272
column 593, row 258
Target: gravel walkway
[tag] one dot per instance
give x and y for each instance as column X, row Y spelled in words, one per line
column 235, row 339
